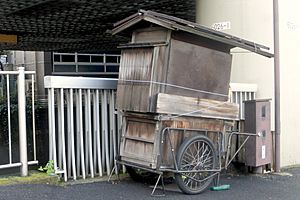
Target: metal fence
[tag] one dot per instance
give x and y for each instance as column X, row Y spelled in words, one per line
column 83, row 125
column 6, row 95
column 84, row 129
column 240, row 92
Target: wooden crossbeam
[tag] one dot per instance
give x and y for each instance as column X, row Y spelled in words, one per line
column 4, row 38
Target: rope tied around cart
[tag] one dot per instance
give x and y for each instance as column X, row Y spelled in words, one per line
column 197, row 111
column 176, row 86
column 185, row 88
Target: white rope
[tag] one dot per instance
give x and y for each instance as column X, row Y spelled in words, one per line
column 176, row 86
column 195, row 111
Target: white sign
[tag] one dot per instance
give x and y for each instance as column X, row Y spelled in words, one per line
column 221, row 26
column 263, row 152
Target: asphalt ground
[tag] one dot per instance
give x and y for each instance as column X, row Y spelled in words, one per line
column 285, row 186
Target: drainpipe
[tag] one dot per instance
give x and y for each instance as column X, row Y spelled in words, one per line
column 276, row 84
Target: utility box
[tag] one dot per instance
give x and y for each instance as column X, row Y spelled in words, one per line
column 258, row 150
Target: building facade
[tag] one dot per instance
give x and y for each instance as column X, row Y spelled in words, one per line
column 253, row 20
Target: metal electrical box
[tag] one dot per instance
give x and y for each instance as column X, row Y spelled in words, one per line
column 258, row 150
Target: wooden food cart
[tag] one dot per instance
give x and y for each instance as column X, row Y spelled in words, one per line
column 172, row 93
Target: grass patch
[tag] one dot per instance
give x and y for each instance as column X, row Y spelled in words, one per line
column 35, row 177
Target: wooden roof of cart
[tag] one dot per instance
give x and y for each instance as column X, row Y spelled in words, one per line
column 127, row 25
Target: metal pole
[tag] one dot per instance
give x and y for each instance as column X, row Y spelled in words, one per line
column 276, row 84
column 9, row 119
column 33, row 117
column 22, row 122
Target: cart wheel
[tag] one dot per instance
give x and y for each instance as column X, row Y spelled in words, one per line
column 195, row 153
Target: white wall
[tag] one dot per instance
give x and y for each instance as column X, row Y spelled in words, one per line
column 290, row 75
column 252, row 20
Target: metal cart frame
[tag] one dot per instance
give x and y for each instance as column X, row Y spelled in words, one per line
column 220, row 152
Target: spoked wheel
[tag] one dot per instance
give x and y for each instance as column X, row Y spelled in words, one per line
column 195, row 153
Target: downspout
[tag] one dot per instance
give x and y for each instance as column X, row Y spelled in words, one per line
column 276, row 84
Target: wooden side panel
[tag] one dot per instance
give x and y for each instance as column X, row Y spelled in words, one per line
column 177, row 137
column 198, row 68
column 138, row 141
column 141, row 137
column 158, row 74
column 190, row 106
column 134, row 79
column 142, row 129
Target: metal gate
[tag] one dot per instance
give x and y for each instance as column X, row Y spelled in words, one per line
column 19, row 76
column 83, row 125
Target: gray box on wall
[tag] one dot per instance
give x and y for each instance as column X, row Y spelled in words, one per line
column 258, row 150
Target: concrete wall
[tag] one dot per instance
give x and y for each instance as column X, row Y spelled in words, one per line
column 290, row 76
column 34, row 61
column 252, row 20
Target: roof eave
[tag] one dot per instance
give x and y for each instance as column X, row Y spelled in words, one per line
column 195, row 29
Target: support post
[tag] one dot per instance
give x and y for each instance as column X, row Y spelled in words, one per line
column 22, row 122
column 276, row 84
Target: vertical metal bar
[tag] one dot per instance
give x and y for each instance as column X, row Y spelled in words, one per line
column 81, row 135
column 102, row 134
column 50, row 123
column 105, row 129
column 120, row 121
column 76, row 62
column 8, row 118
column 236, row 97
column 72, row 134
column 59, row 129
column 77, row 133
column 89, row 122
column 104, row 61
column 241, row 105
column 113, row 122
column 33, row 117
column 69, row 133
column 22, row 122
column 231, row 95
column 97, row 111
column 53, row 66
column 86, row 133
column 110, row 133
column 63, row 148
column 53, row 129
column 119, row 130
column 276, row 84
column 94, row 131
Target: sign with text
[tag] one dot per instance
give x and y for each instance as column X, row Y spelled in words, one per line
column 221, row 26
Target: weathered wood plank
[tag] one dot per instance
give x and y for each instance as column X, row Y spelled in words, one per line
column 134, row 77
column 200, row 71
column 189, row 106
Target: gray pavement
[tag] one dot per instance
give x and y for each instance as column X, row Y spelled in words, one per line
column 244, row 187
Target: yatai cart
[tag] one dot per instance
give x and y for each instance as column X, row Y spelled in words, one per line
column 172, row 94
